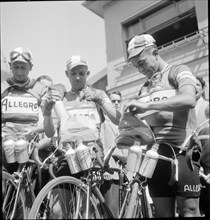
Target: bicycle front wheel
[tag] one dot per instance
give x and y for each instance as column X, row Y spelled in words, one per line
column 63, row 198
column 12, row 204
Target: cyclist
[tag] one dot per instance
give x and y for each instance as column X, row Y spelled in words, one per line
column 82, row 97
column 109, row 131
column 202, row 106
column 167, row 103
column 20, row 98
column 80, row 101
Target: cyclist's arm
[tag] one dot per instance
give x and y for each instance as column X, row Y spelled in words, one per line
column 49, row 127
column 113, row 114
column 184, row 99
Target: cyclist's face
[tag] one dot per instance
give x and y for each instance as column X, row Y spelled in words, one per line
column 146, row 63
column 78, row 77
column 20, row 70
column 116, row 100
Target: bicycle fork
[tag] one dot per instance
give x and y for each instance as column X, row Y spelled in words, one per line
column 132, row 201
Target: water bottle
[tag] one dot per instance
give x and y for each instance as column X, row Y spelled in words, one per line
column 150, row 161
column 72, row 160
column 84, row 156
column 134, row 157
column 9, row 149
column 21, row 150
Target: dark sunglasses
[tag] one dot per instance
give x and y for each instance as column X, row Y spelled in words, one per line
column 26, row 55
column 113, row 101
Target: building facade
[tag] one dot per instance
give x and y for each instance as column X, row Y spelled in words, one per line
column 180, row 28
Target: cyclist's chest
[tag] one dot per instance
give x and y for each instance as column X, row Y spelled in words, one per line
column 19, row 105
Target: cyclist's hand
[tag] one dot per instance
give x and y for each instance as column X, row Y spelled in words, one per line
column 54, row 95
column 49, row 100
column 135, row 106
column 91, row 94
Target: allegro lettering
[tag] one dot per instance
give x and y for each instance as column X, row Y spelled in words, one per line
column 157, row 99
column 17, row 104
column 192, row 188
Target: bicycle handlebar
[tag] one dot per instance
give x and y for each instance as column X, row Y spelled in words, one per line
column 102, row 163
column 108, row 155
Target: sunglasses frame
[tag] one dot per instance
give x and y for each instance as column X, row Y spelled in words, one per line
column 114, row 101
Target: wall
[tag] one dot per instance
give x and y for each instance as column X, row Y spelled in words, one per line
column 126, row 78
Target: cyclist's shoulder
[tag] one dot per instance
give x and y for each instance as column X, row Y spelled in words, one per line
column 178, row 69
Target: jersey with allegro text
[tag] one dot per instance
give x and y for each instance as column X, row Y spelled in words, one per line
column 21, row 107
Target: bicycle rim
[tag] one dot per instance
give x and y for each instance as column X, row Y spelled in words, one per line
column 65, row 198
column 9, row 190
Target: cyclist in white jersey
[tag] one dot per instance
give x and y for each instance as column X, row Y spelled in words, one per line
column 83, row 100
column 20, row 101
column 167, row 102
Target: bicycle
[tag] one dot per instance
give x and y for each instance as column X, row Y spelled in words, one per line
column 89, row 187
column 18, row 189
column 86, row 198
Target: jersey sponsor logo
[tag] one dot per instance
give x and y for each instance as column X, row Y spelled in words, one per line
column 21, row 105
column 158, row 95
column 76, row 130
column 84, row 110
column 192, row 188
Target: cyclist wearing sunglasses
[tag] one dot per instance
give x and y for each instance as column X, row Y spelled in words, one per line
column 167, row 102
column 109, row 132
column 21, row 97
column 116, row 99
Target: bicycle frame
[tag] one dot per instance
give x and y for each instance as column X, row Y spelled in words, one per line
column 22, row 180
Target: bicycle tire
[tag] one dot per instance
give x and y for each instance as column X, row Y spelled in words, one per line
column 52, row 196
column 9, row 189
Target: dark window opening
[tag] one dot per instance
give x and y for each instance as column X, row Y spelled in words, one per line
column 176, row 31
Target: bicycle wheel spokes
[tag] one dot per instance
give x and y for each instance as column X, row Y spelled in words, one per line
column 12, row 204
column 62, row 198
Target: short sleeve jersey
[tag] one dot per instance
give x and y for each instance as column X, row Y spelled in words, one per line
column 21, row 107
column 172, row 127
column 75, row 106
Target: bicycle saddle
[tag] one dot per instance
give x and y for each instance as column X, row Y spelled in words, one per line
column 132, row 128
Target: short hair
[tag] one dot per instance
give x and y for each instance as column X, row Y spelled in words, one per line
column 200, row 78
column 44, row 77
column 117, row 93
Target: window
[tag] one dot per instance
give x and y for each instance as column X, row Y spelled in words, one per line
column 167, row 22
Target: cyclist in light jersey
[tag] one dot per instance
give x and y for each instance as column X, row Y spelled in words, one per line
column 83, row 100
column 20, row 101
column 167, row 102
